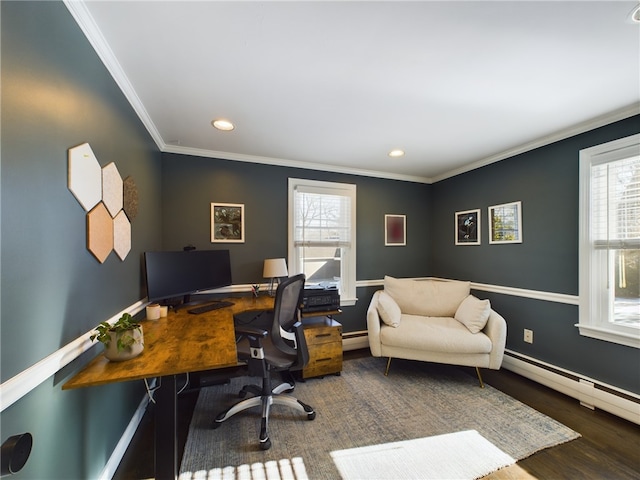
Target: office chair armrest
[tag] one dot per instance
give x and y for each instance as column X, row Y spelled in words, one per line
column 254, row 334
column 302, row 351
column 248, row 330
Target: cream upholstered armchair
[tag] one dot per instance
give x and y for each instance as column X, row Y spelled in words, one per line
column 435, row 321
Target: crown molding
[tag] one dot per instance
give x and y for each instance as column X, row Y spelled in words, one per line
column 83, row 18
column 85, row 21
column 239, row 157
column 88, row 26
column 600, row 121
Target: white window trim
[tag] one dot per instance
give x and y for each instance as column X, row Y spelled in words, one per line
column 589, row 325
column 348, row 281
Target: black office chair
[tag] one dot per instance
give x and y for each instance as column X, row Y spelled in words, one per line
column 274, row 342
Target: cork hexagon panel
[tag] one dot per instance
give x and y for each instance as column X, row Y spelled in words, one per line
column 100, row 232
column 112, row 191
column 130, row 198
column 85, row 176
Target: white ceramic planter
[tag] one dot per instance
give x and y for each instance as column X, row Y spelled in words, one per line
column 112, row 353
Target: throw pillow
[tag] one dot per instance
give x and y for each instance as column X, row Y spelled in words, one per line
column 473, row 313
column 388, row 310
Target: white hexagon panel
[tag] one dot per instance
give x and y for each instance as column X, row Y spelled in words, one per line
column 112, row 191
column 121, row 235
column 84, row 176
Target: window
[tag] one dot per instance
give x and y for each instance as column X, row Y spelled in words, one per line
column 322, row 234
column 610, row 241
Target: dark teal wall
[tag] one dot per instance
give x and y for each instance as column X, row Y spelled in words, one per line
column 191, row 184
column 546, row 181
column 57, row 94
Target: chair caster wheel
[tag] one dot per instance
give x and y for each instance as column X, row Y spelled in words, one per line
column 216, row 425
column 311, row 416
column 266, row 445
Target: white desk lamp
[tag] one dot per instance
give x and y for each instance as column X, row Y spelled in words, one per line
column 274, row 269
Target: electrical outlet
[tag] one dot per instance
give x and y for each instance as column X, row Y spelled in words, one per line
column 528, row 335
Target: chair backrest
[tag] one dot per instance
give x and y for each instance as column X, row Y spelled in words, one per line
column 286, row 313
column 286, row 305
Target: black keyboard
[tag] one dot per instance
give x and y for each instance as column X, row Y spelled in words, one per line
column 209, row 307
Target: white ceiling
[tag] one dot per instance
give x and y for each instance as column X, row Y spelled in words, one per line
column 337, row 85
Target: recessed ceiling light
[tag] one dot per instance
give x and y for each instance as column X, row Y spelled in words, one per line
column 222, row 124
column 396, row 153
column 635, row 14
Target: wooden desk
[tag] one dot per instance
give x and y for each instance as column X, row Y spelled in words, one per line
column 178, row 343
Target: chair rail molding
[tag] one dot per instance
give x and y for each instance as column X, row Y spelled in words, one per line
column 485, row 287
column 21, row 384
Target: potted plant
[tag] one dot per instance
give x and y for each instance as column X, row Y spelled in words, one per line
column 123, row 340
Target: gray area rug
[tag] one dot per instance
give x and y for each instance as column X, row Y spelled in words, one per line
column 363, row 407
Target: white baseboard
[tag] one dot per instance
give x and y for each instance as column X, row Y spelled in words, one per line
column 110, row 468
column 589, row 392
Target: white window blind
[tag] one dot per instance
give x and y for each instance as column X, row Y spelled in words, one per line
column 615, row 204
column 321, row 219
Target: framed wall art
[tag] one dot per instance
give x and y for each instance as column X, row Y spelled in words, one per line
column 505, row 223
column 395, row 230
column 227, row 223
column 468, row 227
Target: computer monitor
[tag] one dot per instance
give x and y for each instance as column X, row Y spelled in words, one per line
column 170, row 275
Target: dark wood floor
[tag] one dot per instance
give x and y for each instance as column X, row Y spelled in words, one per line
column 608, row 449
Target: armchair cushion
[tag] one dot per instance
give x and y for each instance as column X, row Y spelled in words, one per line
column 473, row 313
column 432, row 298
column 434, row 334
column 388, row 310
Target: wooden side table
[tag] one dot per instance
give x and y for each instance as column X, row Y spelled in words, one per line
column 324, row 342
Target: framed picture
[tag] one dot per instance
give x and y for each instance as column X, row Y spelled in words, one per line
column 395, row 230
column 468, row 227
column 227, row 223
column 505, row 223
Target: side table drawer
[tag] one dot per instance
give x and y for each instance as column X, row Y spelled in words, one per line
column 324, row 359
column 324, row 342
column 319, row 335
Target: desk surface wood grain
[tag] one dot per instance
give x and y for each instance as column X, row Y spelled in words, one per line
column 178, row 343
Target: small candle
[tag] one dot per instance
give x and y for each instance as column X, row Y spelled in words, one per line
column 153, row 311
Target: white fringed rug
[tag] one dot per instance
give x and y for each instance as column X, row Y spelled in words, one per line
column 459, row 455
column 285, row 469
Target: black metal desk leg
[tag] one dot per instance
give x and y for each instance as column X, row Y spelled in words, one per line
column 166, row 465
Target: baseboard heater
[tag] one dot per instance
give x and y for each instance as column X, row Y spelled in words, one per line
column 355, row 340
column 589, row 392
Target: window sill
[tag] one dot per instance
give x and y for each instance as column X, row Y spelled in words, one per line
column 630, row 340
column 348, row 302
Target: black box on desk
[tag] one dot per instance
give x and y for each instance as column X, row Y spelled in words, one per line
column 320, row 299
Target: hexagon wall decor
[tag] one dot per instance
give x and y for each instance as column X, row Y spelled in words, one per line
column 112, row 191
column 100, row 232
column 84, row 176
column 111, row 203
column 130, row 198
column 121, row 235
